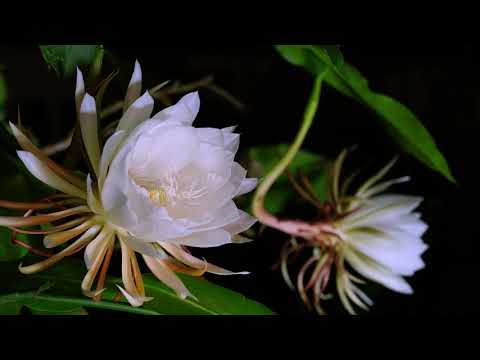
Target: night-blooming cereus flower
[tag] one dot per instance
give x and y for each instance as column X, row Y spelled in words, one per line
column 376, row 235
column 158, row 186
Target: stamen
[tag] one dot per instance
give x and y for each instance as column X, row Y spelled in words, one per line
column 158, row 195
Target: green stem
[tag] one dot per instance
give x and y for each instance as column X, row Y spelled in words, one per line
column 309, row 114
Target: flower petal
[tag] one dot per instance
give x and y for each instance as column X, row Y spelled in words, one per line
column 27, row 145
column 42, row 265
column 134, row 300
column 89, row 127
column 164, row 274
column 143, row 247
column 184, row 257
column 204, row 239
column 58, row 238
column 91, row 251
column 139, row 111
column 107, row 237
column 244, row 222
column 134, row 87
column 246, row 186
column 79, row 90
column 92, row 199
column 43, row 173
column 109, row 151
column 381, row 209
column 376, row 272
column 184, row 111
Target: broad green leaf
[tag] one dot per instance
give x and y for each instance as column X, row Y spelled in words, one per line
column 401, row 123
column 65, row 58
column 38, row 304
column 264, row 158
column 43, row 304
column 67, row 277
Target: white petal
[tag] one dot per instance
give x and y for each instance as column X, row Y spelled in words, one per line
column 84, row 239
column 212, row 159
column 138, row 112
column 376, row 272
column 382, row 209
column 107, row 237
column 211, row 136
column 244, row 222
column 229, row 129
column 134, row 300
column 192, row 102
column 92, row 200
column 92, row 249
column 184, row 111
column 246, row 186
column 109, row 151
column 232, row 141
column 89, row 126
column 61, row 237
column 134, row 87
column 115, row 204
column 143, row 247
column 204, row 239
column 401, row 255
column 217, row 270
column 79, row 90
column 164, row 274
column 164, row 151
column 43, row 173
column 27, row 145
column 383, row 186
column 228, row 214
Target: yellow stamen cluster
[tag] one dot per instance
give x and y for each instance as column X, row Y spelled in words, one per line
column 158, row 195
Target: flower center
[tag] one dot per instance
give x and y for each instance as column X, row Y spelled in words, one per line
column 168, row 190
column 158, row 195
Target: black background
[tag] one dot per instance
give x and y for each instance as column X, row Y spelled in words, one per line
column 441, row 89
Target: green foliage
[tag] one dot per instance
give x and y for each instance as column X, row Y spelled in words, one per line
column 400, row 122
column 38, row 304
column 64, row 295
column 313, row 166
column 65, row 58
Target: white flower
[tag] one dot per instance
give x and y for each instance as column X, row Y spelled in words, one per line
column 158, row 185
column 378, row 236
column 382, row 242
column 172, row 183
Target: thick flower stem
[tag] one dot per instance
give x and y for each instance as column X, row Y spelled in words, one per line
column 258, row 208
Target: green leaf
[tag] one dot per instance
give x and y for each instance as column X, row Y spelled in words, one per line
column 9, row 251
column 67, row 277
column 43, row 304
column 313, row 166
column 401, row 123
column 65, row 58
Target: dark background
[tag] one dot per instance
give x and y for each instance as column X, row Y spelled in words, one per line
column 441, row 89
